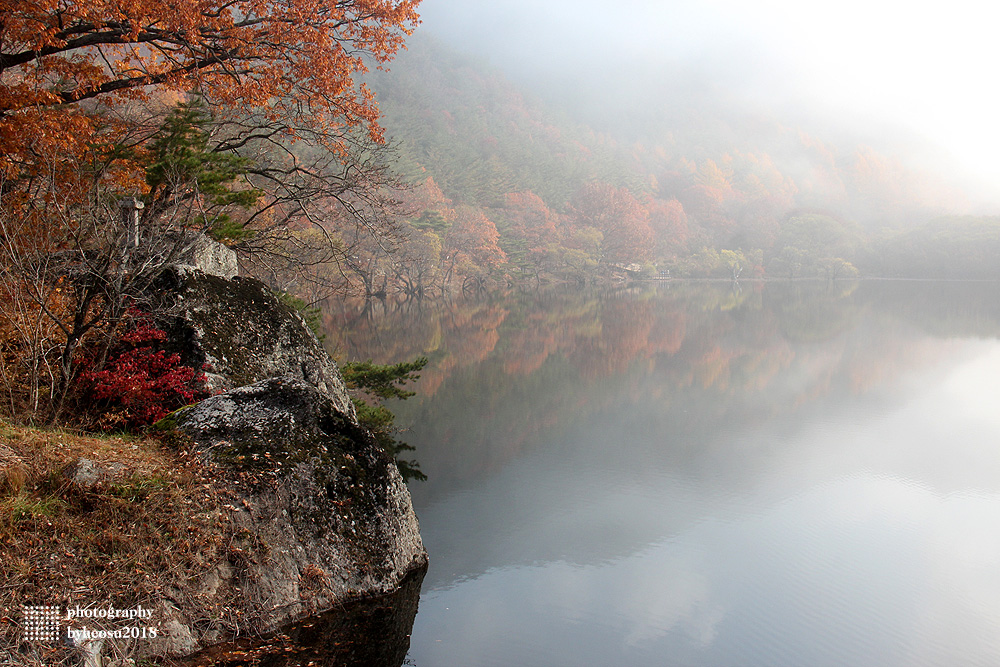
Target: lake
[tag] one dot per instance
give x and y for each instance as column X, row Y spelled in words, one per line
column 702, row 473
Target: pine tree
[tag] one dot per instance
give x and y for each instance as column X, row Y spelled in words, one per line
column 183, row 167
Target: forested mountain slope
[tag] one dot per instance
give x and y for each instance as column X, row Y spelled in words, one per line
column 710, row 193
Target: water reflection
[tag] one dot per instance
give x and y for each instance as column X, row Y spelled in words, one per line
column 361, row 633
column 787, row 474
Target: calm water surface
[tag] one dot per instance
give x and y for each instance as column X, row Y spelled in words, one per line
column 687, row 474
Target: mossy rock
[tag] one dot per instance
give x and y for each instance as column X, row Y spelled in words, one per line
column 239, row 333
column 313, row 488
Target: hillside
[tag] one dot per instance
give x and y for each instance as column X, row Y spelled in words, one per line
column 540, row 194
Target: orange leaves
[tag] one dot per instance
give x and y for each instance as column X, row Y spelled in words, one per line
column 292, row 61
column 297, row 57
column 529, row 217
column 41, row 135
column 619, row 217
column 475, row 237
column 670, row 226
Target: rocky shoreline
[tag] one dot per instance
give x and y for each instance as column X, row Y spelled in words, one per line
column 324, row 514
column 294, row 510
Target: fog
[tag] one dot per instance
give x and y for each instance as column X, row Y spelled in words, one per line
column 803, row 479
column 908, row 80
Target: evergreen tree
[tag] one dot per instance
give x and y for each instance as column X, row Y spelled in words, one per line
column 183, row 167
column 381, row 382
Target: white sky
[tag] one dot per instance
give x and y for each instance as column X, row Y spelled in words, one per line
column 930, row 68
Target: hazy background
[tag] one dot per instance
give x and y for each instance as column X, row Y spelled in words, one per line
column 914, row 79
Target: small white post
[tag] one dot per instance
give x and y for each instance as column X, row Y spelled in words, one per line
column 130, row 212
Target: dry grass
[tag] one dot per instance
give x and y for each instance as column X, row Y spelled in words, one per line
column 140, row 537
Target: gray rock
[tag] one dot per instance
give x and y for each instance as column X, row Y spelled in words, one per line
column 366, row 631
column 210, row 257
column 174, row 636
column 91, row 652
column 84, row 473
column 241, row 333
column 326, row 513
column 212, row 581
column 87, row 473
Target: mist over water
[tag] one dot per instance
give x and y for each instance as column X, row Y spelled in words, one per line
column 797, row 473
column 696, row 474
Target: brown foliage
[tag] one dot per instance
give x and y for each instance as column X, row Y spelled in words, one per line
column 296, row 59
column 621, row 219
column 137, row 537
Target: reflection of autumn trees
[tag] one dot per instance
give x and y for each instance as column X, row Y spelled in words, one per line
column 507, row 374
column 451, row 334
column 705, row 330
column 475, row 333
column 623, row 337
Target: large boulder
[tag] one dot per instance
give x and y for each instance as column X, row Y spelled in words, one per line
column 320, row 511
column 239, row 332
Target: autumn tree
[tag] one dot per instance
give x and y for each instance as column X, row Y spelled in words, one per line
column 709, row 198
column 529, row 232
column 417, row 265
column 529, row 218
column 279, row 78
column 423, row 196
column 471, row 244
column 297, row 59
column 276, row 76
column 287, row 133
column 669, row 224
column 626, row 236
column 765, row 196
column 76, row 256
column 578, row 254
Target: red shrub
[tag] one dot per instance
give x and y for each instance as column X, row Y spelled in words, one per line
column 140, row 384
